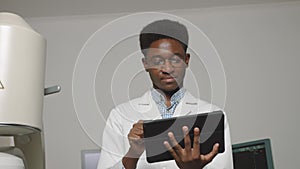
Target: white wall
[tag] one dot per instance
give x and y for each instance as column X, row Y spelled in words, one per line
column 259, row 48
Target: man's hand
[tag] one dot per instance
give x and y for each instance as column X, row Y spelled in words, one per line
column 137, row 146
column 135, row 138
column 190, row 158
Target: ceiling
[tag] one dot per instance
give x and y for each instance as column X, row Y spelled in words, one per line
column 45, row 8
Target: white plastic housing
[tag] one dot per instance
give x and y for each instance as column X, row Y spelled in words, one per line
column 22, row 72
column 8, row 161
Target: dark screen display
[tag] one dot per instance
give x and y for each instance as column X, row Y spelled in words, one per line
column 250, row 157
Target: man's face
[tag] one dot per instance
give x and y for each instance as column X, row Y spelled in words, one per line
column 166, row 63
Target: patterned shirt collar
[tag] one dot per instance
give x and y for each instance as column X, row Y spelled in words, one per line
column 160, row 99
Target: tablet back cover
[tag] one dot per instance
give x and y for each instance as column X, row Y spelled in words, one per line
column 211, row 127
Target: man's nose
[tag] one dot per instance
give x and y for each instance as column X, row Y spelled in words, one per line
column 168, row 67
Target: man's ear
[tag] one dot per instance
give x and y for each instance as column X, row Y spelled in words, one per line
column 145, row 64
column 187, row 59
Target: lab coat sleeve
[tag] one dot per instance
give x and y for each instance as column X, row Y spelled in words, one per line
column 112, row 149
column 223, row 160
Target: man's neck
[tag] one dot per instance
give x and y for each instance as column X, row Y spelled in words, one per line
column 167, row 94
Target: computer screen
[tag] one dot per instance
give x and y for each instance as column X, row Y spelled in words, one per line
column 253, row 155
column 89, row 159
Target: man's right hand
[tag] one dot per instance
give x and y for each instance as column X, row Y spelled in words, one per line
column 135, row 138
column 137, row 146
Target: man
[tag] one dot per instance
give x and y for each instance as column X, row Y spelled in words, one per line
column 164, row 46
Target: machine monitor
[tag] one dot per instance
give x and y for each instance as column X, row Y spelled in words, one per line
column 253, row 155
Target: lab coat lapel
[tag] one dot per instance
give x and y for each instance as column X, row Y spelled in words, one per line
column 147, row 107
column 188, row 105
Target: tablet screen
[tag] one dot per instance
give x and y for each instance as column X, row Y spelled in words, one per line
column 211, row 127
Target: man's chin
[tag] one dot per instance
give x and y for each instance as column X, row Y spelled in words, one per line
column 169, row 88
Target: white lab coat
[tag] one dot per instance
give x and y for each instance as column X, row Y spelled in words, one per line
column 115, row 143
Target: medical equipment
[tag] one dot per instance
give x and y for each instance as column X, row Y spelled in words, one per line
column 22, row 73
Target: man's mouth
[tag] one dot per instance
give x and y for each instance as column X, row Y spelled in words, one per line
column 168, row 79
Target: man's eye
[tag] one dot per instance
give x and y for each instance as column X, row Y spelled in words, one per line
column 174, row 60
column 158, row 61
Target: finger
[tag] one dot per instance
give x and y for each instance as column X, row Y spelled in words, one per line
column 138, row 125
column 137, row 131
column 174, row 142
column 171, row 150
column 136, row 140
column 133, row 135
column 196, row 144
column 141, row 133
column 187, row 139
column 210, row 156
column 215, row 150
column 137, row 128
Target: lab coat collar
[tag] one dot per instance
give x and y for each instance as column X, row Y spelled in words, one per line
column 188, row 105
column 146, row 106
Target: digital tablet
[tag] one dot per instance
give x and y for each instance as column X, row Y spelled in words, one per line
column 211, row 127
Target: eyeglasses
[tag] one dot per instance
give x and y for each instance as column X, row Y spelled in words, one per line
column 158, row 61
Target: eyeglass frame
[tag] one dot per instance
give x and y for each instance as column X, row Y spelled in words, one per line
column 164, row 60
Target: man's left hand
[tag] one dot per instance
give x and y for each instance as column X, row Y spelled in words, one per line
column 190, row 158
